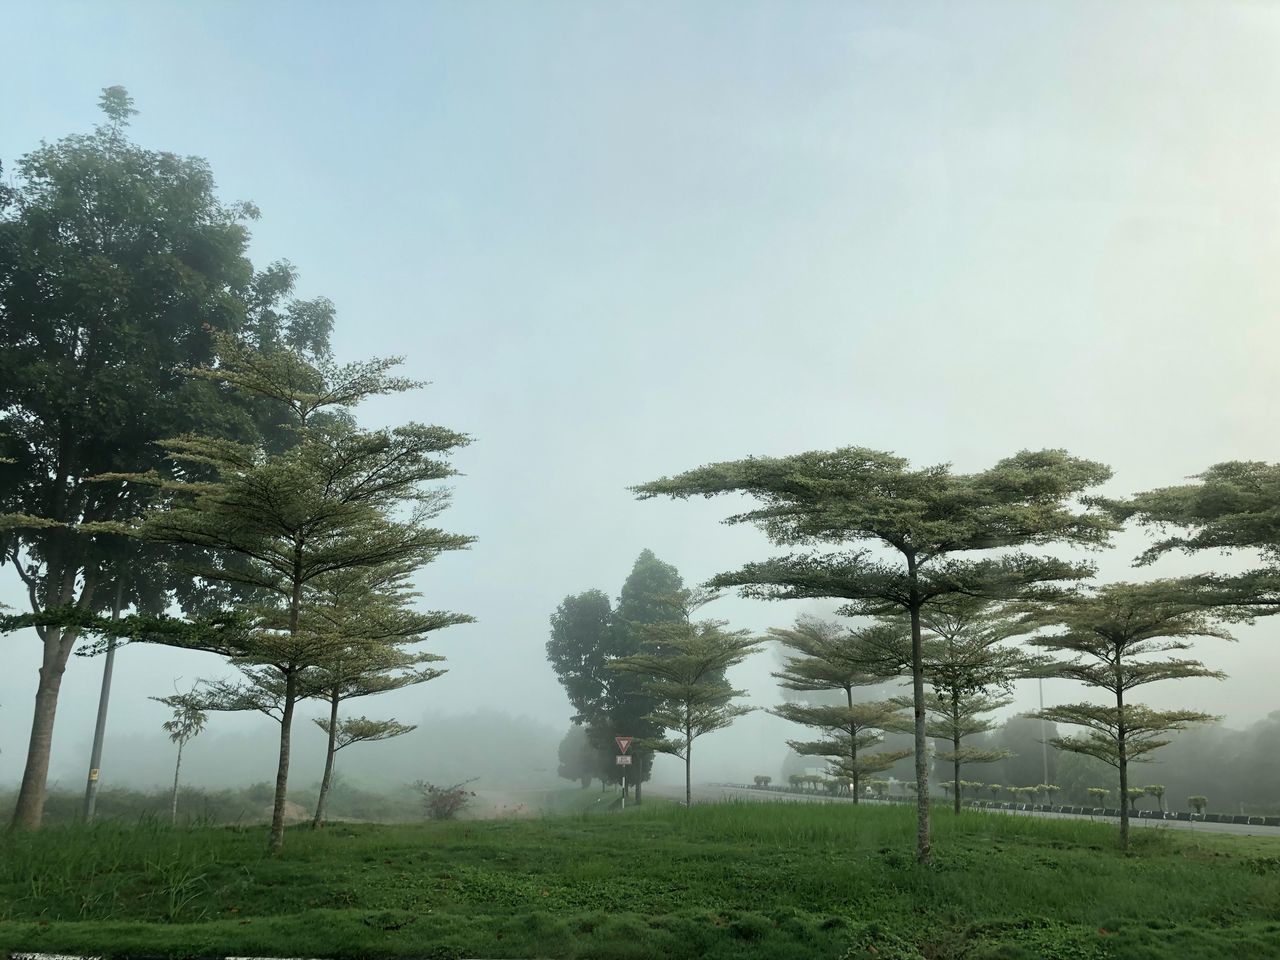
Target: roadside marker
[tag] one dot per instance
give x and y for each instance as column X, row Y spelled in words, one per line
column 623, row 743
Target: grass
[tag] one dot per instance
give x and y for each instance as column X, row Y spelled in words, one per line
column 737, row 880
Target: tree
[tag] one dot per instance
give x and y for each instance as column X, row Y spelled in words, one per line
column 1156, row 790
column 275, row 523
column 1115, row 637
column 587, row 632
column 1099, row 794
column 579, row 759
column 1198, row 804
column 682, row 672
column 830, row 657
column 970, row 671
column 366, row 618
column 115, row 263
column 927, row 520
column 185, row 725
column 1231, row 507
column 995, row 789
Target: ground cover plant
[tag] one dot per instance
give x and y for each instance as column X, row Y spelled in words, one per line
column 711, row 881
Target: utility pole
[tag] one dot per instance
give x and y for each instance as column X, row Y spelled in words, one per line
column 100, row 727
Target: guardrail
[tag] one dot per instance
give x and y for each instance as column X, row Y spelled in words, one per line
column 1243, row 819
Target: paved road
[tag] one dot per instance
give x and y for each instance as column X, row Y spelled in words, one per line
column 719, row 793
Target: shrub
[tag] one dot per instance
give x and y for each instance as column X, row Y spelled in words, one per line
column 445, row 803
column 1197, row 804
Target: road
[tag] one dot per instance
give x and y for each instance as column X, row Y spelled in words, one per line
column 720, row 793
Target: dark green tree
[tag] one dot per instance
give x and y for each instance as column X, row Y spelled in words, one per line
column 115, row 264
column 1114, row 640
column 579, row 759
column 928, row 524
column 586, row 633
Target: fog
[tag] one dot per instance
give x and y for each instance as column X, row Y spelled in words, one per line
column 623, row 240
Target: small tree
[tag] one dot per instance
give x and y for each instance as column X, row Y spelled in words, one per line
column 1099, row 795
column 185, row 725
column 830, row 657
column 1156, row 790
column 1114, row 637
column 878, row 787
column 684, row 674
column 1050, row 790
column 1135, row 794
column 1198, row 804
column 995, row 789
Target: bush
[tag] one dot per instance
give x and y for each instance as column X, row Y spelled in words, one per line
column 445, row 803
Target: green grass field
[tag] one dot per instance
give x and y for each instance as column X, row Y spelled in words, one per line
column 748, row 880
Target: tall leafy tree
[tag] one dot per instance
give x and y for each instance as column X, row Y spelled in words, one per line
column 682, row 670
column 338, row 499
column 1114, row 640
column 926, row 524
column 827, row 656
column 115, row 263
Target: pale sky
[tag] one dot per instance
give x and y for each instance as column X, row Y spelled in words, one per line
column 625, row 239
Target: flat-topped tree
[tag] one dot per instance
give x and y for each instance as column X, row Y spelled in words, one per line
column 1232, row 506
column 338, row 499
column 1114, row 639
column 970, row 670
column 924, row 521
column 831, row 657
column 682, row 671
column 368, row 615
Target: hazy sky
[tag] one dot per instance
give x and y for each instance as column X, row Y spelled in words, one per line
column 624, row 239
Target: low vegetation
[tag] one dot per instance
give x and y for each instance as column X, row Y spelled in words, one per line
column 661, row 881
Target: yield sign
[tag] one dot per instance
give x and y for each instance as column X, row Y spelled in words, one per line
column 623, row 743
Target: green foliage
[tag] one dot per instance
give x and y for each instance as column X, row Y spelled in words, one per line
column 1230, row 507
column 582, row 760
column 1198, row 803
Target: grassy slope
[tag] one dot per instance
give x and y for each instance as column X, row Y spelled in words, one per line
column 721, row 881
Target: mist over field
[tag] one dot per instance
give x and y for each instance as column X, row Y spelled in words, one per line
column 624, row 241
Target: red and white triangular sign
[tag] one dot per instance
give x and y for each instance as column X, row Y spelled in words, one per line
column 623, row 743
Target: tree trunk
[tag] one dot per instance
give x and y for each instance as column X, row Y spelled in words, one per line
column 29, row 810
column 1123, row 765
column 688, row 765
column 276, row 843
column 955, row 774
column 853, row 749
column 177, row 767
column 639, row 784
column 923, row 843
column 327, row 780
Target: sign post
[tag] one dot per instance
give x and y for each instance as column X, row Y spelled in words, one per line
column 623, row 761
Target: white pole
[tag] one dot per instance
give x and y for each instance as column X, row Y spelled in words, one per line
column 624, row 787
